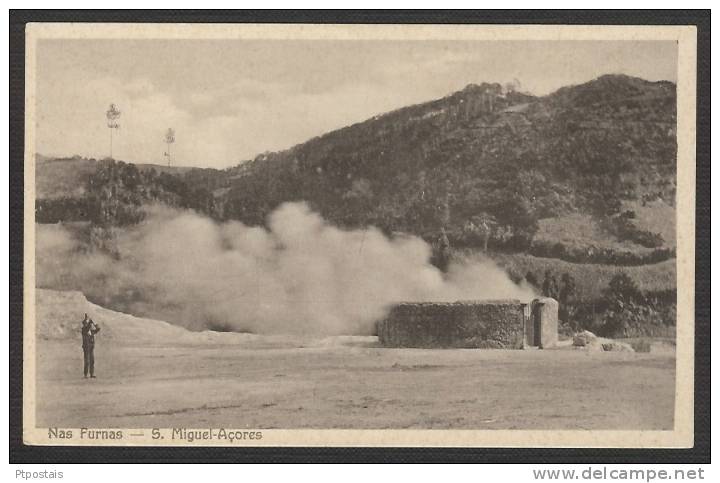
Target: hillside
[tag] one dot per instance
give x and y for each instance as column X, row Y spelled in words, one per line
column 483, row 155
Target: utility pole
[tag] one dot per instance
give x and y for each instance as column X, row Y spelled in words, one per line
column 169, row 139
column 112, row 114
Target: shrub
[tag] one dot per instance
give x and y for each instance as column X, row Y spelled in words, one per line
column 642, row 345
column 598, row 255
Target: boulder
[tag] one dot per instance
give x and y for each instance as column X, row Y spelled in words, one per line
column 584, row 338
column 614, row 346
column 590, row 341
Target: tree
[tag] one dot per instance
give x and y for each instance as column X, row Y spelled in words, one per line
column 169, row 139
column 568, row 301
column 112, row 114
column 626, row 308
column 550, row 285
column 531, row 279
column 441, row 252
column 478, row 230
column 622, row 289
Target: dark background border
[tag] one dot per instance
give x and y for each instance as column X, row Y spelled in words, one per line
column 20, row 453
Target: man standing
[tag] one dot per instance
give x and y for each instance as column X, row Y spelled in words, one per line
column 88, row 331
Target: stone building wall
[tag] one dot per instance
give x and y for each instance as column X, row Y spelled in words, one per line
column 496, row 324
column 485, row 324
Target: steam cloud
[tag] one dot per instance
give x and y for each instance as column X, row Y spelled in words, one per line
column 299, row 276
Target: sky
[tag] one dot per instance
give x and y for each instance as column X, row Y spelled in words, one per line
column 230, row 100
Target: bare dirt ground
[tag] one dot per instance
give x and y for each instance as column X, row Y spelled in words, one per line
column 350, row 383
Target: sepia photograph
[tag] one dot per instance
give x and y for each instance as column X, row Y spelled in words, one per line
column 372, row 235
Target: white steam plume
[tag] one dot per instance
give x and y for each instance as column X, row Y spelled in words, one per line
column 299, row 276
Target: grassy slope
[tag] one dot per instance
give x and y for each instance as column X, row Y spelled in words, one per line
column 62, row 177
column 656, row 217
column 591, row 279
column 578, row 230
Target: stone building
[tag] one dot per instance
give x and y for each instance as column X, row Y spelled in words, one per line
column 492, row 324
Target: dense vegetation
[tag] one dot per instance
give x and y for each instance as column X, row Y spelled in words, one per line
column 623, row 310
column 114, row 193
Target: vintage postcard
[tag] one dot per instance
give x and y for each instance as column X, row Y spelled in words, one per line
column 359, row 235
